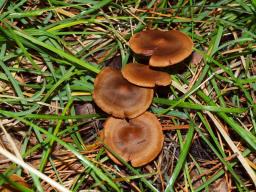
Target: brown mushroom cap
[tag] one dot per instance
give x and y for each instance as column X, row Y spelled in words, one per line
column 165, row 47
column 143, row 75
column 139, row 141
column 116, row 96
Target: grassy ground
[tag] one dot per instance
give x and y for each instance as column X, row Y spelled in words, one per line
column 50, row 53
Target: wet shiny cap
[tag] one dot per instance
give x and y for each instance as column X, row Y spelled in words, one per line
column 118, row 97
column 138, row 140
column 165, row 47
column 143, row 75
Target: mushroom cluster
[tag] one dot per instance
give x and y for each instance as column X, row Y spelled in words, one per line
column 131, row 132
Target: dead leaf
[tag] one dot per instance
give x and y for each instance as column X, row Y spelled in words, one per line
column 219, row 185
column 196, row 58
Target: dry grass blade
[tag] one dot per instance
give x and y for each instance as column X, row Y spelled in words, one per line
column 50, row 54
column 26, row 166
column 234, row 148
column 174, row 127
column 243, row 161
column 12, row 143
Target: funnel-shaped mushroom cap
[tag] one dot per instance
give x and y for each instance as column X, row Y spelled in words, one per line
column 144, row 76
column 165, row 47
column 139, row 141
column 116, row 96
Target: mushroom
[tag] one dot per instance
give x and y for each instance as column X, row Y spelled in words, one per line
column 116, row 96
column 138, row 140
column 143, row 75
column 165, row 47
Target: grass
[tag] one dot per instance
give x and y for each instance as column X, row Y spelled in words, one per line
column 50, row 53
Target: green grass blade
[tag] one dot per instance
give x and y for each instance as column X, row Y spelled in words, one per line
column 181, row 160
column 244, row 134
column 83, row 159
column 14, row 82
column 61, row 53
column 188, row 105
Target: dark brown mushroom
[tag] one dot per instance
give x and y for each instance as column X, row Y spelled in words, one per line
column 165, row 47
column 138, row 140
column 143, row 75
column 116, row 96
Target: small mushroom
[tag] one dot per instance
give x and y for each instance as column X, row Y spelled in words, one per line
column 116, row 96
column 138, row 140
column 143, row 75
column 165, row 47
